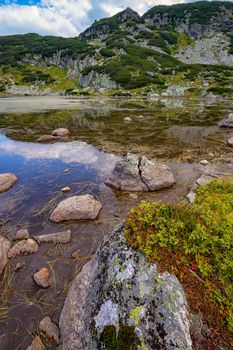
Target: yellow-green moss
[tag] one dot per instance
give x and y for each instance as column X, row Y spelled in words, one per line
column 194, row 241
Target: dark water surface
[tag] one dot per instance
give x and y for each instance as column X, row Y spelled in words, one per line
column 176, row 131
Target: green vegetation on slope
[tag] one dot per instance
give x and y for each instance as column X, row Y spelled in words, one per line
column 195, row 243
column 198, row 12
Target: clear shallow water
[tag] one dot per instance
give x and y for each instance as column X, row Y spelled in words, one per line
column 171, row 130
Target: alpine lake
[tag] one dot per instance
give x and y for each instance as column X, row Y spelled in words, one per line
column 178, row 132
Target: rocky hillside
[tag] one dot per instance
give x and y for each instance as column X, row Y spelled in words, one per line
column 170, row 50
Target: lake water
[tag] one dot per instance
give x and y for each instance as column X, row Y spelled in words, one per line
column 178, row 132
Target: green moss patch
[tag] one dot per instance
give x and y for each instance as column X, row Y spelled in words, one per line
column 195, row 242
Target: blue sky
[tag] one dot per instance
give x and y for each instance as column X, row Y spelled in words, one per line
column 63, row 17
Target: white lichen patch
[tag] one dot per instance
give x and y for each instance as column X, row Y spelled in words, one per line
column 108, row 315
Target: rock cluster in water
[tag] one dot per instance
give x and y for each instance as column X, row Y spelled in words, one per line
column 133, row 173
column 119, row 289
column 60, row 134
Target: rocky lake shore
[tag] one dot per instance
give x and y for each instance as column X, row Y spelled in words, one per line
column 62, row 198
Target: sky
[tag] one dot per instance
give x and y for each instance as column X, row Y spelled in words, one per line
column 65, row 18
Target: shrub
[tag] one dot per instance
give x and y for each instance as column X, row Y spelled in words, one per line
column 195, row 243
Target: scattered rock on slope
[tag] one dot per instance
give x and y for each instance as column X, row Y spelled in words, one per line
column 133, row 173
column 117, row 290
column 7, row 180
column 84, row 207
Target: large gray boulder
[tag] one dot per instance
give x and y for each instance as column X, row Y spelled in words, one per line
column 133, row 173
column 7, row 180
column 119, row 288
column 84, row 207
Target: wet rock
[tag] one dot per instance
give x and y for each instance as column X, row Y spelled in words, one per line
column 47, row 139
column 22, row 234
column 83, row 207
column 156, row 176
column 41, row 278
column 7, row 180
column 204, row 179
column 127, row 119
column 65, row 189
column 61, row 132
column 125, row 175
column 133, row 173
column 26, row 246
column 230, row 141
column 5, row 245
column 49, row 329
column 58, row 237
column 227, row 122
column 119, row 286
column 36, row 344
column 204, row 162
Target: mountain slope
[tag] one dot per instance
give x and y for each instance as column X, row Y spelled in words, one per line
column 187, row 45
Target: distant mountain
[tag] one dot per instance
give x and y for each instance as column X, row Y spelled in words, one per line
column 185, row 48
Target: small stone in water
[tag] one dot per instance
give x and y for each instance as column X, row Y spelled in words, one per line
column 62, row 132
column 41, row 278
column 26, row 246
column 127, row 119
column 66, row 170
column 65, row 189
column 22, row 234
column 204, row 162
column 49, row 329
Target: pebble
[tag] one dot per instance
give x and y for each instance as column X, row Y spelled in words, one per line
column 65, row 189
column 22, row 234
column 62, row 132
column 41, row 278
column 204, row 162
column 26, row 246
column 127, row 119
column 58, row 237
column 49, row 329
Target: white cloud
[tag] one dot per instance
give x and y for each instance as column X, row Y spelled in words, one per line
column 64, row 17
column 58, row 17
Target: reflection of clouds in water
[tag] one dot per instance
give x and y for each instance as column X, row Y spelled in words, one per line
column 69, row 152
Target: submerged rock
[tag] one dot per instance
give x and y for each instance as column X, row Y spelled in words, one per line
column 61, row 132
column 7, row 180
column 26, row 246
column 41, row 278
column 84, row 207
column 227, row 122
column 119, row 290
column 65, row 189
column 48, row 138
column 22, row 234
column 36, row 344
column 5, row 245
column 133, row 173
column 49, row 329
column 127, row 119
column 58, row 237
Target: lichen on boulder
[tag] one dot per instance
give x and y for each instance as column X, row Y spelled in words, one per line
column 119, row 295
